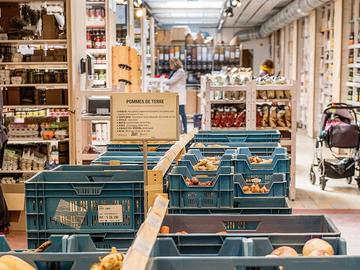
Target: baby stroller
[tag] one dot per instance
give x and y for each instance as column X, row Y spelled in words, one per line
column 339, row 129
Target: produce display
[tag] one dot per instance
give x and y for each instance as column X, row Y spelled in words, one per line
column 273, row 94
column 267, row 80
column 232, row 76
column 201, row 145
column 227, row 117
column 312, row 248
column 113, row 261
column 194, row 181
column 255, row 188
column 273, row 116
column 207, row 164
column 259, row 160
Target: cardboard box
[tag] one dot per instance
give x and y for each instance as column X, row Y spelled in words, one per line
column 61, row 52
column 179, row 33
column 50, row 29
column 14, row 195
column 48, row 58
column 55, row 97
column 163, row 37
column 191, row 101
column 36, row 58
column 59, row 58
column 12, row 96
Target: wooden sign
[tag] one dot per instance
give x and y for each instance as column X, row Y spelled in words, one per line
column 144, row 116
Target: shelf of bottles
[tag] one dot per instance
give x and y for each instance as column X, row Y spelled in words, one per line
column 326, row 33
column 353, row 81
column 304, row 74
column 198, row 59
column 96, row 40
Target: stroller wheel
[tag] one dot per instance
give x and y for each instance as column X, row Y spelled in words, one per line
column 349, row 180
column 323, row 182
column 312, row 177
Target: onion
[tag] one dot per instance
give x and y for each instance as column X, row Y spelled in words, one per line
column 284, row 252
column 318, row 253
column 317, row 244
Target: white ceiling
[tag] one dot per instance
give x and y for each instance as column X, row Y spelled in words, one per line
column 206, row 13
column 186, row 12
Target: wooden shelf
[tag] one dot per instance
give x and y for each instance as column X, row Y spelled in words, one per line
column 277, row 128
column 34, row 65
column 38, row 85
column 230, row 129
column 33, row 140
column 272, row 100
column 354, row 46
column 228, row 88
column 40, row 107
column 37, row 41
column 95, row 117
column 220, row 101
column 96, row 51
column 273, row 87
column 18, row 171
column 353, row 84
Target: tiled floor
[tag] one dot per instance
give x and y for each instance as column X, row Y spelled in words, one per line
column 340, row 201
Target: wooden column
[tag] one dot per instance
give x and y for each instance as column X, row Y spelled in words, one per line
column 294, row 67
column 152, row 45
column 130, row 23
column 338, row 45
column 313, row 79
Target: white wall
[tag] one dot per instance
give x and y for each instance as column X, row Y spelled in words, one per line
column 261, row 51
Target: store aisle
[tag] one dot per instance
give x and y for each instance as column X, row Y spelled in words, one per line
column 338, row 193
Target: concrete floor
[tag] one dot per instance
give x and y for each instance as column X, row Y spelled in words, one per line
column 340, row 200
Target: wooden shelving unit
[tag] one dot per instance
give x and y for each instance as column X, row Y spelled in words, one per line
column 305, row 75
column 15, row 106
column 326, row 65
column 353, row 46
column 251, row 102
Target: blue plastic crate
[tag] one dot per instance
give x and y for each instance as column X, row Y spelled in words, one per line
column 67, row 202
column 243, row 166
column 56, row 257
column 277, row 186
column 219, row 195
column 258, row 149
column 258, row 263
column 194, row 156
column 137, row 147
column 230, row 246
column 291, row 229
column 246, row 152
column 238, row 136
column 152, row 161
column 190, row 168
column 130, row 154
column 242, row 255
column 88, row 168
column 101, row 240
column 245, row 206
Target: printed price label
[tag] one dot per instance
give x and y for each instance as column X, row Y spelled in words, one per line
column 110, row 213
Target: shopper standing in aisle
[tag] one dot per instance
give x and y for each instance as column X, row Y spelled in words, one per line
column 177, row 83
column 267, row 68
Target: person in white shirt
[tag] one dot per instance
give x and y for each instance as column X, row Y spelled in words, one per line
column 177, row 83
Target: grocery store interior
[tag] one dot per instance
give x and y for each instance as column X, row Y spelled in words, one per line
column 179, row 134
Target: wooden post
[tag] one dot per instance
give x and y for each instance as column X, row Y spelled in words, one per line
column 145, row 152
column 130, row 23
column 152, row 45
column 338, row 45
column 313, row 78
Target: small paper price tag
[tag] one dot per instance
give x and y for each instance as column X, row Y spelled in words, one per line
column 110, row 213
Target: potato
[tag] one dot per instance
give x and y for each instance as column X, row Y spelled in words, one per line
column 4, row 267
column 285, row 251
column 15, row 263
column 317, row 244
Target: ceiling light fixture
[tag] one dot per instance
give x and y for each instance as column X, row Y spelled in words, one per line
column 229, row 12
column 235, row 3
column 137, row 3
